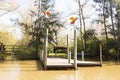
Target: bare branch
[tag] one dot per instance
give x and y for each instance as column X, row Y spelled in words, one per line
column 6, row 7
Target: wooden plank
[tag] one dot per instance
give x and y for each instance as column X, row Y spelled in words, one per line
column 88, row 63
column 58, row 63
column 63, row 63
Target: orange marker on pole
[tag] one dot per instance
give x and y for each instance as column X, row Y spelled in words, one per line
column 47, row 13
column 73, row 19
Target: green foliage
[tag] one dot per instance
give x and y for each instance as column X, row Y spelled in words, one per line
column 1, row 56
column 92, row 47
column 60, row 55
column 79, row 45
column 50, row 48
column 89, row 34
column 53, row 23
column 6, row 38
column 92, row 42
column 25, row 54
column 34, row 43
column 110, row 48
column 112, row 51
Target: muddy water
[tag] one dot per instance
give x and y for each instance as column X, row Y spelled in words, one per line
column 28, row 70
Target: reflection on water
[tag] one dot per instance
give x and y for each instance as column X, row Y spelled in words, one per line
column 28, row 70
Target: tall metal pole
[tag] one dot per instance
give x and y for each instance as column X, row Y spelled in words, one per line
column 46, row 49
column 75, row 49
column 68, row 52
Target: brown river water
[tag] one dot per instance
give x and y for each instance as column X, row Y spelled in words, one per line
column 28, row 70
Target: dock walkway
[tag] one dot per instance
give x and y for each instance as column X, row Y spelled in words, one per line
column 63, row 63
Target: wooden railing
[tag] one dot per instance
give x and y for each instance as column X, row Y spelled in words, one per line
column 12, row 48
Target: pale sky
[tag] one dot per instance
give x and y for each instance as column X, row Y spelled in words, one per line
column 62, row 6
column 65, row 7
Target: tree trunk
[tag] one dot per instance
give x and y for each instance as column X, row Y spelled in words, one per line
column 82, row 23
column 106, row 35
column 118, row 32
column 111, row 15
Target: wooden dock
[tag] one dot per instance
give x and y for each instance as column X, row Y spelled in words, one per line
column 63, row 63
column 57, row 62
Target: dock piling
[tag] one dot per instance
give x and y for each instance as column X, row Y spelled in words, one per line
column 100, row 54
column 68, row 53
column 75, row 50
column 46, row 49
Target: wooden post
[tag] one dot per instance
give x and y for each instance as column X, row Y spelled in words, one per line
column 100, row 54
column 118, row 62
column 12, row 48
column 75, row 50
column 55, row 53
column 46, row 46
column 68, row 55
column 2, row 47
column 42, row 55
column 39, row 55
